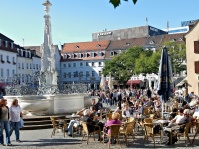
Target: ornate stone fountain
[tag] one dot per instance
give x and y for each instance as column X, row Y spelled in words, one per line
column 48, row 97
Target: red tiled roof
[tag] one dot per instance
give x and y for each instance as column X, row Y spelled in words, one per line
column 85, row 46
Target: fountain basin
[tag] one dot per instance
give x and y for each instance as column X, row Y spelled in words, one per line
column 52, row 104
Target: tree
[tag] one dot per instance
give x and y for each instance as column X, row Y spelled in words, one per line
column 116, row 3
column 177, row 52
column 122, row 66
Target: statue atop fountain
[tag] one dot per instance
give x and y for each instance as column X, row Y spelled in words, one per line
column 48, row 74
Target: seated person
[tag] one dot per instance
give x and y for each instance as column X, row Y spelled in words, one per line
column 119, row 107
column 149, row 103
column 91, row 125
column 125, row 111
column 92, row 112
column 140, row 108
column 97, row 105
column 177, row 119
column 186, row 119
column 115, row 120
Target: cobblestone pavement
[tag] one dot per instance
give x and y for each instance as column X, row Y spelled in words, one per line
column 41, row 139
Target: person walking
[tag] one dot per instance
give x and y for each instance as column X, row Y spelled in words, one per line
column 4, row 122
column 15, row 115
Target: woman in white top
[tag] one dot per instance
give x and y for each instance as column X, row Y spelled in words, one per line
column 125, row 111
column 15, row 115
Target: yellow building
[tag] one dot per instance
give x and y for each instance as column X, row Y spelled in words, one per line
column 192, row 53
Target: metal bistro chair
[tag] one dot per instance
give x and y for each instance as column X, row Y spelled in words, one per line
column 185, row 133
column 57, row 126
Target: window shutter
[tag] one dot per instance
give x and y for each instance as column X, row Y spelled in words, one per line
column 197, row 67
column 196, row 47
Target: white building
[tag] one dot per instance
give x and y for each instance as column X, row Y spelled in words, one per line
column 8, row 58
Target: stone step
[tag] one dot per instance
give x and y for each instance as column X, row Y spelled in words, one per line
column 40, row 122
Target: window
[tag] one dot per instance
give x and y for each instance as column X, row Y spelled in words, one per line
column 74, row 64
column 22, row 77
column 0, row 42
column 85, row 55
column 81, row 64
column 6, row 44
column 93, row 64
column 75, row 74
column 72, row 55
column 111, row 53
column 92, row 54
column 37, row 66
column 19, row 65
column 7, row 58
column 93, row 73
column 13, row 72
column 69, row 74
column 100, row 73
column 100, row 63
column 33, row 66
column 87, row 74
column 64, row 75
column 99, row 54
column 64, row 65
column 27, row 66
column 87, row 64
column 69, row 64
column 22, row 66
column 8, row 72
column 13, row 59
column 65, row 56
column 1, row 72
column 12, row 45
column 30, row 66
column 79, row 55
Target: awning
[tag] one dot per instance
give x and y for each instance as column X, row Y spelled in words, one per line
column 129, row 82
column 182, row 82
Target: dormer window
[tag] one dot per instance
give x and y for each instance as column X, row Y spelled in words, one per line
column 72, row 55
column 98, row 45
column 85, row 55
column 77, row 47
column 6, row 44
column 173, row 40
column 127, row 44
column 151, row 42
column 99, row 54
column 111, row 53
column 12, row 45
column 79, row 55
column 65, row 56
column 180, row 39
column 92, row 54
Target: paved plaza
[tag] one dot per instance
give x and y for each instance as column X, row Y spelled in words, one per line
column 33, row 139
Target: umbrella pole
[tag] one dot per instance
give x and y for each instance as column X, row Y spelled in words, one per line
column 162, row 108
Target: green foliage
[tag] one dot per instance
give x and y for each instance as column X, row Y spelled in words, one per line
column 116, row 3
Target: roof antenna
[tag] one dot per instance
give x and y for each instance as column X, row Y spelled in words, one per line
column 146, row 21
column 23, row 42
column 167, row 26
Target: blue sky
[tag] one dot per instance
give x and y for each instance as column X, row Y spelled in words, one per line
column 76, row 20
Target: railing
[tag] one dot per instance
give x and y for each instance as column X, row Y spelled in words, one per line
column 47, row 89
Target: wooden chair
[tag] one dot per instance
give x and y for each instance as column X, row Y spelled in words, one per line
column 149, row 132
column 148, row 120
column 87, row 133
column 76, row 129
column 185, row 133
column 109, row 116
column 128, row 130
column 114, row 133
column 57, row 127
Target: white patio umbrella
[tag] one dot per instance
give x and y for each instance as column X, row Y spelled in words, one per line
column 110, row 83
column 102, row 83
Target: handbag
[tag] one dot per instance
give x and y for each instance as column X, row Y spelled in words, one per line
column 21, row 123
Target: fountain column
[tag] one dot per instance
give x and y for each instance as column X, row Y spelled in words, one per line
column 48, row 51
